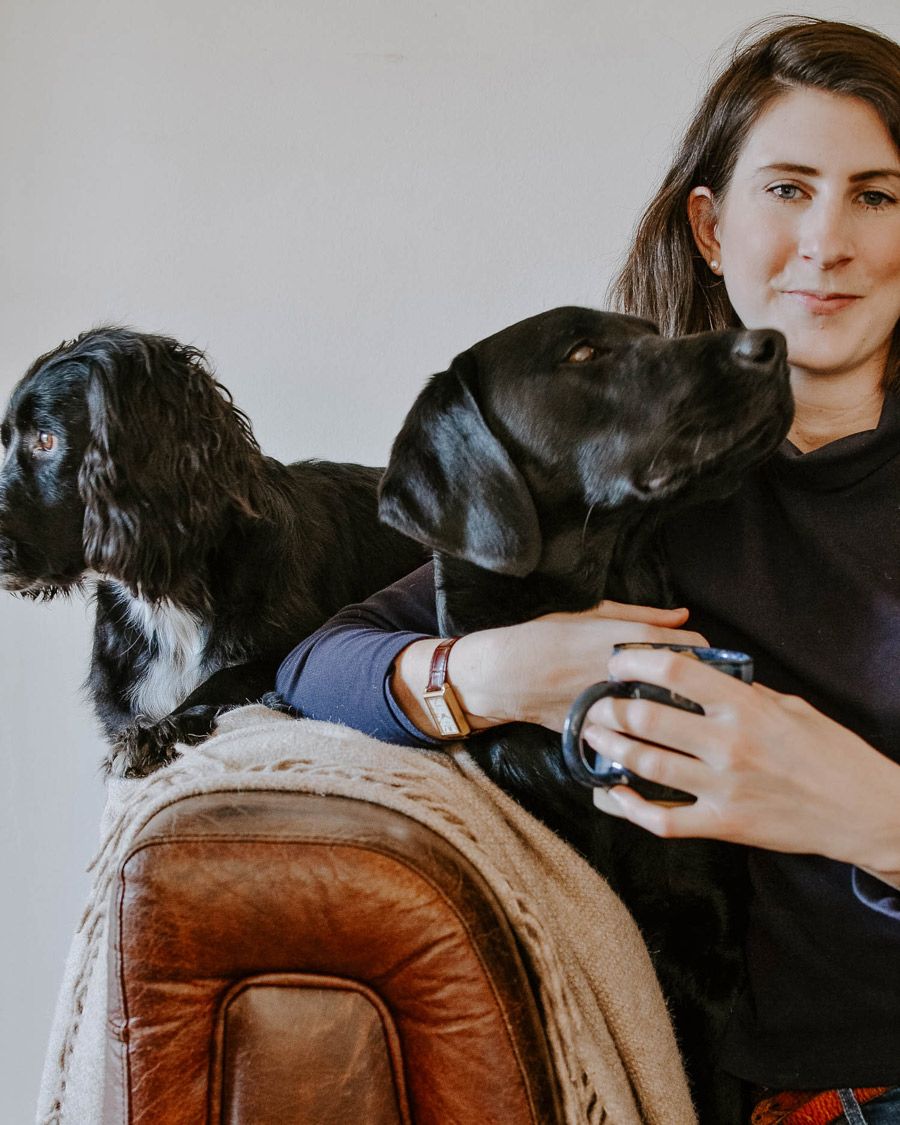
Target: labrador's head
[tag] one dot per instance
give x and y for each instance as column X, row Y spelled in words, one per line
column 577, row 410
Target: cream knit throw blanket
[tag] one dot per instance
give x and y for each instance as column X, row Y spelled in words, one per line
column 610, row 1037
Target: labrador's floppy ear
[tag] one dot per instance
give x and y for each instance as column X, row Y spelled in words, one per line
column 451, row 484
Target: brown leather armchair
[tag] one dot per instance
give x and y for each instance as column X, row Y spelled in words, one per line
column 282, row 958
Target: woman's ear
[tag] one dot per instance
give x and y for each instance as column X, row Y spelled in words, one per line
column 703, row 216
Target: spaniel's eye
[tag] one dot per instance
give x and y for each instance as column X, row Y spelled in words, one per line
column 46, row 442
column 581, row 353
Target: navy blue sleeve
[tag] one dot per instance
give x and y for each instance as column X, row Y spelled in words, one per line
column 341, row 673
column 876, row 895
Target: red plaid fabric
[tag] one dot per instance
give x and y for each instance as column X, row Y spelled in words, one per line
column 807, row 1107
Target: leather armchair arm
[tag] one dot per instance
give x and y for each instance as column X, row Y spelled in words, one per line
column 278, row 958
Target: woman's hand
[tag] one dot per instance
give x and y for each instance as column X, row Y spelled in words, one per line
column 767, row 769
column 531, row 672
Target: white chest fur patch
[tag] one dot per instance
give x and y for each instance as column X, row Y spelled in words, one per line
column 177, row 639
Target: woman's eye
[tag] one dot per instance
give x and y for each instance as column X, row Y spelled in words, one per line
column 785, row 191
column 581, row 353
column 46, row 442
column 875, row 198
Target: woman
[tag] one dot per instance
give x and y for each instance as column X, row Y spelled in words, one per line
column 782, row 210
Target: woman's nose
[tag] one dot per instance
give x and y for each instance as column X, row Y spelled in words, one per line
column 825, row 236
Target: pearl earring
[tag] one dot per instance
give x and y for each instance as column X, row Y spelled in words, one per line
column 714, row 265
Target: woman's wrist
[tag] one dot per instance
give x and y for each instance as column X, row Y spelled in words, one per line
column 878, row 852
column 478, row 674
column 882, row 858
column 470, row 668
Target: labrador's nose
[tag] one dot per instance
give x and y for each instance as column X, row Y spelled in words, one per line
column 759, row 347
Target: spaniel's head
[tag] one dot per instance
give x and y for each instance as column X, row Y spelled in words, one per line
column 123, row 456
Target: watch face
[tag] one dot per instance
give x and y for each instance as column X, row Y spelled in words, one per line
column 440, row 712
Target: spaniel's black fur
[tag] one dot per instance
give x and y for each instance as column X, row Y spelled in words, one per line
column 538, row 468
column 126, row 462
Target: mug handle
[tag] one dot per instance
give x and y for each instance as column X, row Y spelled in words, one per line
column 573, row 745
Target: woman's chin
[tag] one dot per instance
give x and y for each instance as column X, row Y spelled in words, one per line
column 821, row 358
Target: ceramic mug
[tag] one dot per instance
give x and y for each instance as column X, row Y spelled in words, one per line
column 597, row 772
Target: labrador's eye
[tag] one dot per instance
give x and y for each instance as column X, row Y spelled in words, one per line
column 581, row 353
column 46, row 442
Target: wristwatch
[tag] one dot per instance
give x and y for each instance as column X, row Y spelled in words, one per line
column 440, row 698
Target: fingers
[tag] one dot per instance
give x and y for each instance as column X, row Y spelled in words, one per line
column 661, row 820
column 606, row 800
column 708, row 686
column 645, row 721
column 670, row 767
column 642, row 614
column 664, row 625
column 678, row 637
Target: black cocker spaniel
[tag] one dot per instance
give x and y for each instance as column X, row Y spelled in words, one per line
column 126, row 463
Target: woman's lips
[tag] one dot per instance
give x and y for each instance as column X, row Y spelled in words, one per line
column 822, row 304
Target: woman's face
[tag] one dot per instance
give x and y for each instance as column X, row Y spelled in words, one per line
column 807, row 235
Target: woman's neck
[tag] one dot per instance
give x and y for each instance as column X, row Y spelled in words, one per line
column 830, row 407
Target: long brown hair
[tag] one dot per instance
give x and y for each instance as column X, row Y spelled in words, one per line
column 665, row 278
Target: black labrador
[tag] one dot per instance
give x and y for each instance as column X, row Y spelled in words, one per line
column 538, row 468
column 127, row 462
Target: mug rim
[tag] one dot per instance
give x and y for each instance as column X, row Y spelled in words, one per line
column 699, row 652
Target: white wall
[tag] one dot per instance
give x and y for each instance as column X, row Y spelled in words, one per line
column 333, row 198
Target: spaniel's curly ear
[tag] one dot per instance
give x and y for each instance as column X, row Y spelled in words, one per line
column 451, row 485
column 168, row 456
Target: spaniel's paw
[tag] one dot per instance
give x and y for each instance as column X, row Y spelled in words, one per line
column 274, row 702
column 143, row 749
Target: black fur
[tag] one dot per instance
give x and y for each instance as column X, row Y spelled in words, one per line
column 157, row 486
column 539, row 482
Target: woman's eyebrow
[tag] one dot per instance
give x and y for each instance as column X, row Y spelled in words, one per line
column 806, row 170
column 801, row 169
column 874, row 174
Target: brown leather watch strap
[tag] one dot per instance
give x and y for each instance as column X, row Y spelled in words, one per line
column 437, row 673
column 439, row 698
